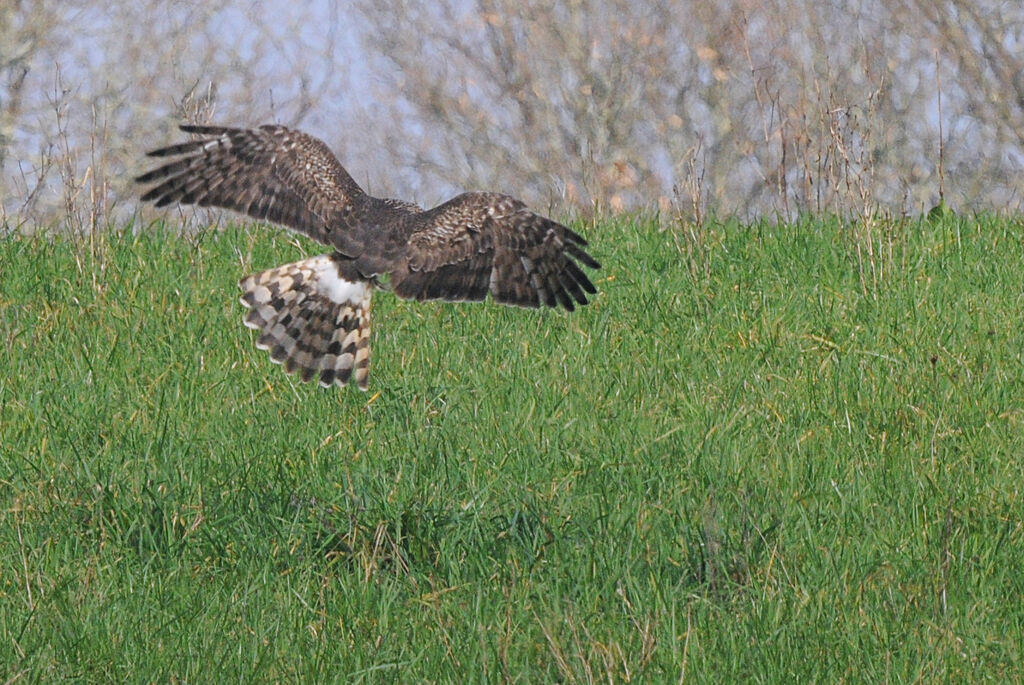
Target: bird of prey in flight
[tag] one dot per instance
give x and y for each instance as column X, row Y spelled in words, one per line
column 313, row 316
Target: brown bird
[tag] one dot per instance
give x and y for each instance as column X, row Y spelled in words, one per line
column 314, row 315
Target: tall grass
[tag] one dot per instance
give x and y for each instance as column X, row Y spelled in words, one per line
column 754, row 469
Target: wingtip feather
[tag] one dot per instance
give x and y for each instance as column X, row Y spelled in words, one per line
column 206, row 130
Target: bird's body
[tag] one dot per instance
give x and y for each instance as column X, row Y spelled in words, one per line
column 314, row 315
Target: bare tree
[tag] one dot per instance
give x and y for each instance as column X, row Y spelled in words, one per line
column 745, row 107
column 536, row 96
column 86, row 86
column 795, row 105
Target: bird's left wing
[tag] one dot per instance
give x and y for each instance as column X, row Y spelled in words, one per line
column 485, row 242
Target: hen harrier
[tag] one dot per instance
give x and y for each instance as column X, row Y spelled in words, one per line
column 314, row 315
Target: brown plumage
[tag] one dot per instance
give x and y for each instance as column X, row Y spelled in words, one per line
column 314, row 315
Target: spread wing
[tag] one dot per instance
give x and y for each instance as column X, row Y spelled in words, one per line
column 272, row 173
column 484, row 242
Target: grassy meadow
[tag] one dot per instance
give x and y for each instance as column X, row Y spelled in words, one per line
column 763, row 453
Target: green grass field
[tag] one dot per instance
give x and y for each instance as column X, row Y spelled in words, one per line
column 743, row 464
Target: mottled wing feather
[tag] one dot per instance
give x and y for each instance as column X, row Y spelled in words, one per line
column 401, row 205
column 484, row 242
column 272, row 173
column 458, row 229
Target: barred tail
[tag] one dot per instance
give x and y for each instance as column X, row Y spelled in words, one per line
column 312, row 319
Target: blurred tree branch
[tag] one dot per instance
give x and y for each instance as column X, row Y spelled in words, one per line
column 794, row 105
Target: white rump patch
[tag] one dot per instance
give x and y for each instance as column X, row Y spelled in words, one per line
column 334, row 286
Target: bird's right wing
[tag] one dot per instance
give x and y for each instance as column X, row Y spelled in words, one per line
column 271, row 173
